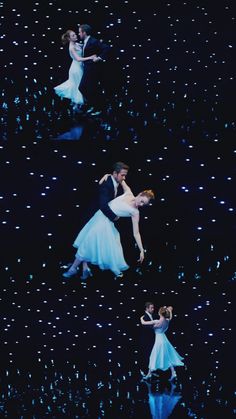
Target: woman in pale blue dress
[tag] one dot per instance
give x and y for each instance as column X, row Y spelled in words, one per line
column 99, row 240
column 70, row 88
column 163, row 355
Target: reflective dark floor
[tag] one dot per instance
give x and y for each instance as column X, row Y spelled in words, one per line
column 47, row 117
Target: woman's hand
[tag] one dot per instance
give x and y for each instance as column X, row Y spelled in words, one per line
column 104, row 178
column 96, row 59
column 91, row 57
column 141, row 256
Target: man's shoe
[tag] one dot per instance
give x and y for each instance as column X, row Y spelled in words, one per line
column 96, row 113
column 120, row 275
column 90, row 110
column 148, row 376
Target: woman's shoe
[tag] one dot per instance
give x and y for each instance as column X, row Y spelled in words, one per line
column 86, row 274
column 71, row 272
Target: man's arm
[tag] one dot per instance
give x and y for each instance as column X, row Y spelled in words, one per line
column 148, row 322
column 104, row 198
column 103, row 51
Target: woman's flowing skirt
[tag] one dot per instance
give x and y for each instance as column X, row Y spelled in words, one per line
column 99, row 243
column 70, row 88
column 163, row 354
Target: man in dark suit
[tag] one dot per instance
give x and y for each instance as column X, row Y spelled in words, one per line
column 147, row 337
column 89, row 85
column 111, row 188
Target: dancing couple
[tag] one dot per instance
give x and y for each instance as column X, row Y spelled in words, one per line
column 99, row 240
column 83, row 86
column 163, row 355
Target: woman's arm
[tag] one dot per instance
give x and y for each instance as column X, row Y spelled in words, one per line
column 125, row 187
column 148, row 322
column 135, row 222
column 104, row 178
column 78, row 58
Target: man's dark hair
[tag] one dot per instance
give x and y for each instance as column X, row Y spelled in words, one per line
column 149, row 303
column 118, row 166
column 86, row 28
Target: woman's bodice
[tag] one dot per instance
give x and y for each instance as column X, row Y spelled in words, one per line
column 121, row 207
column 164, row 324
column 78, row 50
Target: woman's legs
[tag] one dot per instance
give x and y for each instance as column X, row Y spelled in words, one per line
column 86, row 271
column 75, row 264
column 85, row 266
column 73, row 269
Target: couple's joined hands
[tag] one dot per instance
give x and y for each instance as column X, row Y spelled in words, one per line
column 95, row 58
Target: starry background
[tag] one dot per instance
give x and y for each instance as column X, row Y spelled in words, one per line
column 170, row 116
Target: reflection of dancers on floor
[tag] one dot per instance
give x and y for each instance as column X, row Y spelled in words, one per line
column 162, row 403
column 163, row 355
column 70, row 88
column 99, row 241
